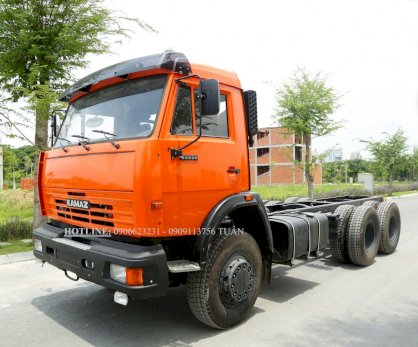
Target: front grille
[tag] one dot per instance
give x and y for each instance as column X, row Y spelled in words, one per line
column 98, row 214
column 108, row 209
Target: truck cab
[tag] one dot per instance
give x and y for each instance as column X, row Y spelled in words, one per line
column 114, row 150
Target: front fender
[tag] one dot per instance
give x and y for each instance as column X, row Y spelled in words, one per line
column 224, row 208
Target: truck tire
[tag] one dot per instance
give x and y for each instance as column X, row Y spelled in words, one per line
column 371, row 203
column 338, row 243
column 291, row 199
column 223, row 293
column 363, row 236
column 304, row 199
column 390, row 226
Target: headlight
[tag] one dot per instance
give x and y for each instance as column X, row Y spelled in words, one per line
column 37, row 245
column 118, row 273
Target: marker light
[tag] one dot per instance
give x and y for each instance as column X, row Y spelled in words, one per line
column 37, row 245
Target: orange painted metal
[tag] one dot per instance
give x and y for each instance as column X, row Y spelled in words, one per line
column 123, row 185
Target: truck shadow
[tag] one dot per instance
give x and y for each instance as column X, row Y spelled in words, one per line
column 284, row 287
column 89, row 312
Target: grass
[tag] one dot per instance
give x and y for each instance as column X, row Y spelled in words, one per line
column 15, row 247
column 16, row 204
column 16, row 211
column 281, row 192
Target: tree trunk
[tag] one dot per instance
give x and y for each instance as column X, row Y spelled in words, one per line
column 308, row 165
column 14, row 179
column 390, row 180
column 41, row 144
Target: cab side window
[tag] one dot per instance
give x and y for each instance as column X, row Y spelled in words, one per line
column 214, row 125
column 182, row 120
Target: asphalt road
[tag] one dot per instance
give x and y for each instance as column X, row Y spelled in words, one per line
column 320, row 303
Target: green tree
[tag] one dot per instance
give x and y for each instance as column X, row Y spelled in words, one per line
column 42, row 42
column 414, row 166
column 355, row 166
column 11, row 165
column 305, row 104
column 389, row 153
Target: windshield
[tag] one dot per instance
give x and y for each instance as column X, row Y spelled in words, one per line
column 126, row 110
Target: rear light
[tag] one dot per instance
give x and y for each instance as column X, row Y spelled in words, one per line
column 128, row 276
column 37, row 245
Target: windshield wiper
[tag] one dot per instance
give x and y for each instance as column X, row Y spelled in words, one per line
column 105, row 133
column 82, row 143
column 63, row 147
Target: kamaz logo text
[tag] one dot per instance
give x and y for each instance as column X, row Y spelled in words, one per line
column 78, row 203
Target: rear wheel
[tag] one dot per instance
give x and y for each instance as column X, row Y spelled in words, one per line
column 223, row 293
column 390, row 226
column 371, row 203
column 291, row 199
column 304, row 199
column 363, row 236
column 338, row 242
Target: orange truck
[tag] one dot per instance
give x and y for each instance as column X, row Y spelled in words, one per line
column 147, row 186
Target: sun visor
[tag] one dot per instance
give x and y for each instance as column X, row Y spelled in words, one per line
column 169, row 60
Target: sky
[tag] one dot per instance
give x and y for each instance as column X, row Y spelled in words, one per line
column 368, row 50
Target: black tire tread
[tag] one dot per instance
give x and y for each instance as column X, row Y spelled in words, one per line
column 355, row 244
column 373, row 203
column 197, row 283
column 383, row 213
column 338, row 245
column 291, row 199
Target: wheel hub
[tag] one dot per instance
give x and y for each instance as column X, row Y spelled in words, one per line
column 238, row 278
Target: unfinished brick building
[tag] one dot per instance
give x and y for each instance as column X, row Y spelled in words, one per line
column 273, row 156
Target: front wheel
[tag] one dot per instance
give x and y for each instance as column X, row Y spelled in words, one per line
column 223, row 293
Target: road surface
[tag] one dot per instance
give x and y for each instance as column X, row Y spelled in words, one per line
column 320, row 303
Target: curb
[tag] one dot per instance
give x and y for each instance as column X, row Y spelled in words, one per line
column 16, row 257
column 400, row 196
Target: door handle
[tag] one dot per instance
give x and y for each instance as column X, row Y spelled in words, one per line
column 234, row 170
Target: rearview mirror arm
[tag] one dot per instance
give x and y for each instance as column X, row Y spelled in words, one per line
column 176, row 153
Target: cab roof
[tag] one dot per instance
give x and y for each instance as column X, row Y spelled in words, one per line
column 169, row 61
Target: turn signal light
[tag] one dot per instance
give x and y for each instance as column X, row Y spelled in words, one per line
column 248, row 197
column 134, row 277
column 126, row 275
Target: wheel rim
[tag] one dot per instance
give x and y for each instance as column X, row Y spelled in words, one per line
column 369, row 236
column 393, row 228
column 236, row 281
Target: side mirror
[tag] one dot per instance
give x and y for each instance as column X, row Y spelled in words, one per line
column 55, row 125
column 210, row 97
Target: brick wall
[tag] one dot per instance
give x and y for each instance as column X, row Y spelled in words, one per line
column 26, row 183
column 275, row 159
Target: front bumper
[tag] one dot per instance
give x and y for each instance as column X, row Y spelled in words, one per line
column 67, row 254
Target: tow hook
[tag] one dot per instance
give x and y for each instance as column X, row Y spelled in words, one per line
column 75, row 279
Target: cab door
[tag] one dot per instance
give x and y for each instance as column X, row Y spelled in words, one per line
column 210, row 169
